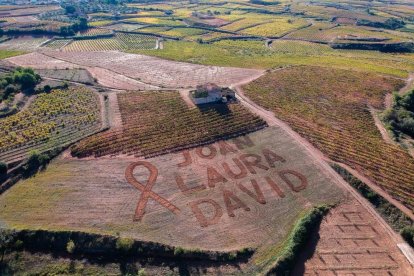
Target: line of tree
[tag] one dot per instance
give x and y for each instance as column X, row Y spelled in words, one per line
column 81, row 25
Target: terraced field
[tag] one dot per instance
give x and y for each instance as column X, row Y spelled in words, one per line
column 330, row 108
column 160, row 122
column 54, row 119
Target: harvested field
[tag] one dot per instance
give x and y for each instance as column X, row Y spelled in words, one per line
column 39, row 61
column 52, row 120
column 149, row 70
column 330, row 108
column 203, row 198
column 160, row 122
column 111, row 79
column 74, row 75
column 352, row 242
column 23, row 11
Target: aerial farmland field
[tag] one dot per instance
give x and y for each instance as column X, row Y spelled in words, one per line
column 235, row 137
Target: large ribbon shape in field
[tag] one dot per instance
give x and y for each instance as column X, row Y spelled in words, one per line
column 146, row 190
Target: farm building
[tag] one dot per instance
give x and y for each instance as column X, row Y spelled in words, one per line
column 210, row 93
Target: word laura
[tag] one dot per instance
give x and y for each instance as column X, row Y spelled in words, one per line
column 246, row 165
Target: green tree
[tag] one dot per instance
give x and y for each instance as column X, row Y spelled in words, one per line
column 70, row 247
column 3, row 168
column 6, row 242
column 70, row 9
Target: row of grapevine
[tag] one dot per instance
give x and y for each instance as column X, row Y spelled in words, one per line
column 159, row 122
column 50, row 117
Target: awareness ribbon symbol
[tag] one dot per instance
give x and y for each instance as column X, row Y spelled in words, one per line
column 146, row 190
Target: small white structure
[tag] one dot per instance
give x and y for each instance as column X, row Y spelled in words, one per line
column 211, row 93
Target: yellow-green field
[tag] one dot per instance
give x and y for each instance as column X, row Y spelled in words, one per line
column 254, row 54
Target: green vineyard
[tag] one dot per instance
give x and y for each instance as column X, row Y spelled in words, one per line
column 53, row 119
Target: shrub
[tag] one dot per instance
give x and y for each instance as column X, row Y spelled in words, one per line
column 408, row 235
column 9, row 90
column 179, row 251
column 400, row 118
column 47, row 88
column 141, row 272
column 3, row 169
column 70, row 247
column 124, row 245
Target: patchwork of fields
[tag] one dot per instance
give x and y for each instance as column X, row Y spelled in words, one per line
column 140, row 177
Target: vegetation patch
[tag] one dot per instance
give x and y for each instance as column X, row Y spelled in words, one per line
column 400, row 117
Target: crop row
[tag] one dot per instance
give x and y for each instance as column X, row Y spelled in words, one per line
column 157, row 122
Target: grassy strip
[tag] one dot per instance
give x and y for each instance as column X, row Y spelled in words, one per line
column 392, row 215
column 297, row 240
column 6, row 54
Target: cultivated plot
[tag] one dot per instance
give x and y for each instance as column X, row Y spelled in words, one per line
column 243, row 192
column 52, row 120
column 160, row 122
